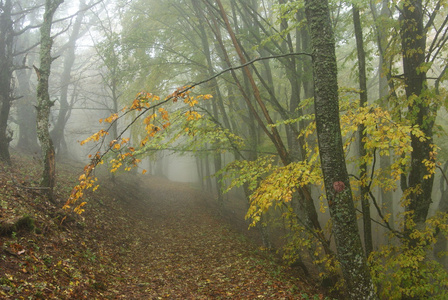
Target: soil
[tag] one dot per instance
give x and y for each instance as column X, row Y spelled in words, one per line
column 141, row 237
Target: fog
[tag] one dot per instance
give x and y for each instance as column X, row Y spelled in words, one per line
column 112, row 58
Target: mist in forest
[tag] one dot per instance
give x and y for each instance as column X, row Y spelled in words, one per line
column 219, row 94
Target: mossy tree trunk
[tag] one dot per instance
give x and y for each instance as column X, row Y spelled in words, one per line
column 337, row 186
column 43, row 98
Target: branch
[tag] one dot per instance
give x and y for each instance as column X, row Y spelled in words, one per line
column 378, row 209
column 189, row 88
column 249, row 63
column 443, row 173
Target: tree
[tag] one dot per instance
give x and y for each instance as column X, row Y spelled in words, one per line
column 263, row 106
column 44, row 102
column 413, row 37
column 337, row 185
column 361, row 133
column 57, row 134
column 6, row 69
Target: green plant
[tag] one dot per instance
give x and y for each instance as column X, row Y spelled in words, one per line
column 89, row 255
column 407, row 270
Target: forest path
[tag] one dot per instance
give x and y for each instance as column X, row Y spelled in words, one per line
column 175, row 247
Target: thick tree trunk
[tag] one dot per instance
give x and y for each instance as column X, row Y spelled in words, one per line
column 43, row 98
column 413, row 50
column 6, row 65
column 337, row 185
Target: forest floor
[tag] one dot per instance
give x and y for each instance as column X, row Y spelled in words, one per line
column 140, row 238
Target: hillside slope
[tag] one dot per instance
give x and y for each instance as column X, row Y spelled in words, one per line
column 140, row 238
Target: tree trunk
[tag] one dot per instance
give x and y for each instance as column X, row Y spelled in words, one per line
column 365, row 204
column 273, row 133
column 217, row 158
column 25, row 105
column 384, row 76
column 57, row 133
column 413, row 51
column 43, row 98
column 337, row 185
column 6, row 65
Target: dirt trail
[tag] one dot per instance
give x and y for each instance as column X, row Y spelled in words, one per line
column 140, row 237
column 176, row 248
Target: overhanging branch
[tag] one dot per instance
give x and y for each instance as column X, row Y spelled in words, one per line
column 249, row 63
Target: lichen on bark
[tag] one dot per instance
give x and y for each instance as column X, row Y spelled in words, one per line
column 346, row 233
column 44, row 103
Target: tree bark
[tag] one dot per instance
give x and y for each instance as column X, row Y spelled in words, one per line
column 365, row 204
column 6, row 66
column 413, row 38
column 44, row 103
column 337, row 185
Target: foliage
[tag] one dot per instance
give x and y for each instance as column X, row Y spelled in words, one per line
column 151, row 42
column 120, row 152
column 384, row 137
column 274, row 186
column 280, row 185
column 408, row 271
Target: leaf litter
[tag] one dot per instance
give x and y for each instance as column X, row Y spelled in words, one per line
column 141, row 237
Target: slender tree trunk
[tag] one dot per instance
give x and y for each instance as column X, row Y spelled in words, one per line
column 25, row 105
column 273, row 134
column 337, row 185
column 365, row 204
column 57, row 133
column 217, row 158
column 43, row 98
column 383, row 93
